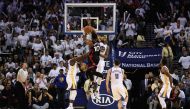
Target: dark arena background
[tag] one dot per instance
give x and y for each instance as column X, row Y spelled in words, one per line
column 38, row 38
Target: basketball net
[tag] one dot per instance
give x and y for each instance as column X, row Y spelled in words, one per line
column 89, row 21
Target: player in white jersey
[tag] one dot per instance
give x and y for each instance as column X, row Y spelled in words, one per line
column 104, row 51
column 73, row 69
column 167, row 84
column 116, row 76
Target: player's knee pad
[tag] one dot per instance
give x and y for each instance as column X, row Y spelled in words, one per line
column 73, row 94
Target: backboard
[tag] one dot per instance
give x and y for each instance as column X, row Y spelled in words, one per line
column 101, row 16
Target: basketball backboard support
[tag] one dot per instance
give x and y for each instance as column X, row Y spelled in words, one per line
column 101, row 16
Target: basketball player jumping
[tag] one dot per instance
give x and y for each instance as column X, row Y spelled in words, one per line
column 93, row 59
column 91, row 39
column 167, row 83
column 116, row 75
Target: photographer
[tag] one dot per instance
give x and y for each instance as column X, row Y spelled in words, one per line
column 43, row 100
column 32, row 93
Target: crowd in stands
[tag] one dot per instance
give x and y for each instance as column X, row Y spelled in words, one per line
column 32, row 31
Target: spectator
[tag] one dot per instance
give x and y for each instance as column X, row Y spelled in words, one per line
column 182, row 39
column 10, row 63
column 168, row 54
column 8, row 95
column 182, row 20
column 140, row 11
column 23, row 39
column 144, row 90
column 173, row 24
column 186, row 81
column 155, row 85
column 43, row 100
column 10, row 73
column 53, row 72
column 41, row 81
column 68, row 46
column 31, row 75
column 181, row 97
column 187, row 32
column 185, row 61
column 130, row 31
column 32, row 94
column 9, row 39
column 20, row 87
column 167, row 34
column 46, row 60
column 177, row 30
column 57, row 59
column 77, row 40
column 78, row 51
column 62, row 66
column 159, row 35
column 2, row 40
column 58, row 48
column 153, row 99
column 61, row 85
column 175, row 77
column 175, row 98
column 37, row 46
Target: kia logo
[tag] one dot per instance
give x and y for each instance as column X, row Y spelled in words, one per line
column 105, row 100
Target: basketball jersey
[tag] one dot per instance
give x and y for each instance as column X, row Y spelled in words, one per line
column 94, row 54
column 72, row 70
column 116, row 76
column 165, row 79
column 103, row 48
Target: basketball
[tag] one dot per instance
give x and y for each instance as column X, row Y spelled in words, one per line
column 88, row 29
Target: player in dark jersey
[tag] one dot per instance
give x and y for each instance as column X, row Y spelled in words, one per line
column 91, row 39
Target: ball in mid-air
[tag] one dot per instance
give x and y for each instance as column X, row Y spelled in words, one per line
column 88, row 30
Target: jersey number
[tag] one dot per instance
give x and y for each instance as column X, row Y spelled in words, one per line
column 97, row 48
column 116, row 76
